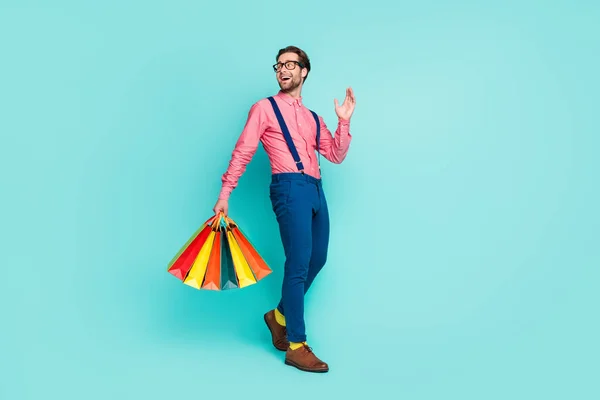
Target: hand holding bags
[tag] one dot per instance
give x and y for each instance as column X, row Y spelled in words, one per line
column 218, row 256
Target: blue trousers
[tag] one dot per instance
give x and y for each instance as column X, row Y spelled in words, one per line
column 301, row 210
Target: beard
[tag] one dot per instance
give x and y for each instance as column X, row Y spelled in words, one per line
column 292, row 84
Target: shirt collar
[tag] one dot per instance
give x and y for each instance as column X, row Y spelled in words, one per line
column 289, row 99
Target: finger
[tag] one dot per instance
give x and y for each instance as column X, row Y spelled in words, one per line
column 335, row 102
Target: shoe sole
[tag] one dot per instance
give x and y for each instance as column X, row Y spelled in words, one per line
column 269, row 327
column 293, row 364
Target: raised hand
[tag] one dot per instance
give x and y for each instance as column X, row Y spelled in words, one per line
column 345, row 110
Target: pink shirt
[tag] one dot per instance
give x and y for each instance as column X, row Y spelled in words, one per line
column 262, row 126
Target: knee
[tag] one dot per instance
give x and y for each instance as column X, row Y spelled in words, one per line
column 318, row 259
column 296, row 268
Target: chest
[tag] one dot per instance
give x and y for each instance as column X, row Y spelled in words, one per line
column 299, row 122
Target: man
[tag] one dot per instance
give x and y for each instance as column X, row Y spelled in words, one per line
column 293, row 137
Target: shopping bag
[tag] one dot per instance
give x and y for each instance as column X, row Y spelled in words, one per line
column 257, row 264
column 228, row 277
column 218, row 256
column 244, row 275
column 195, row 276
column 253, row 259
column 181, row 264
column 212, row 278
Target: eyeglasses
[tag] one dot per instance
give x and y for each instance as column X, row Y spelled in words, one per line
column 290, row 65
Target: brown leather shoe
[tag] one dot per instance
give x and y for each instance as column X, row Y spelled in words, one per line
column 304, row 359
column 278, row 332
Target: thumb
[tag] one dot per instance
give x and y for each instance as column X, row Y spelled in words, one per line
column 335, row 102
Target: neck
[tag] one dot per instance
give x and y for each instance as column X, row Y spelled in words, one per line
column 294, row 93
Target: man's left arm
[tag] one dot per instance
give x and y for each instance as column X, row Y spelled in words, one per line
column 336, row 148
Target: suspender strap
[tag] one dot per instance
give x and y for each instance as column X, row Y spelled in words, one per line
column 316, row 117
column 286, row 135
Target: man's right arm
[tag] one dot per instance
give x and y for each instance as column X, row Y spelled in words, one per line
column 244, row 150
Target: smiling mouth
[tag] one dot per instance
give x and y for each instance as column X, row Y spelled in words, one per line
column 285, row 78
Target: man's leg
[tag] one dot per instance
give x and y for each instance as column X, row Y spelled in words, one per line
column 293, row 204
column 320, row 244
column 295, row 224
column 320, row 239
column 294, row 211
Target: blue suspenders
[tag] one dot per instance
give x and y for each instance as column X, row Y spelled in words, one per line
column 288, row 137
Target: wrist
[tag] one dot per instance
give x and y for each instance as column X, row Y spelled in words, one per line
column 224, row 195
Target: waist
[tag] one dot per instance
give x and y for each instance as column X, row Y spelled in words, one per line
column 282, row 176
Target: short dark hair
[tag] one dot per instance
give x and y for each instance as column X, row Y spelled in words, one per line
column 302, row 57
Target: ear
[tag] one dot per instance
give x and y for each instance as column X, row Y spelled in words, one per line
column 304, row 72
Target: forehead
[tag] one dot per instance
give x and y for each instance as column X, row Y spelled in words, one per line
column 288, row 57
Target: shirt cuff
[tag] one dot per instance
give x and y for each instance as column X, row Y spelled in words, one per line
column 225, row 193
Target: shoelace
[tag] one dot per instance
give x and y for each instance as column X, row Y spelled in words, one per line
column 307, row 347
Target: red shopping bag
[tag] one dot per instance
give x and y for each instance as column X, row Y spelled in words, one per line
column 181, row 264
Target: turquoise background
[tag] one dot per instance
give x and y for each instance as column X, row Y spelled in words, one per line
column 465, row 247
